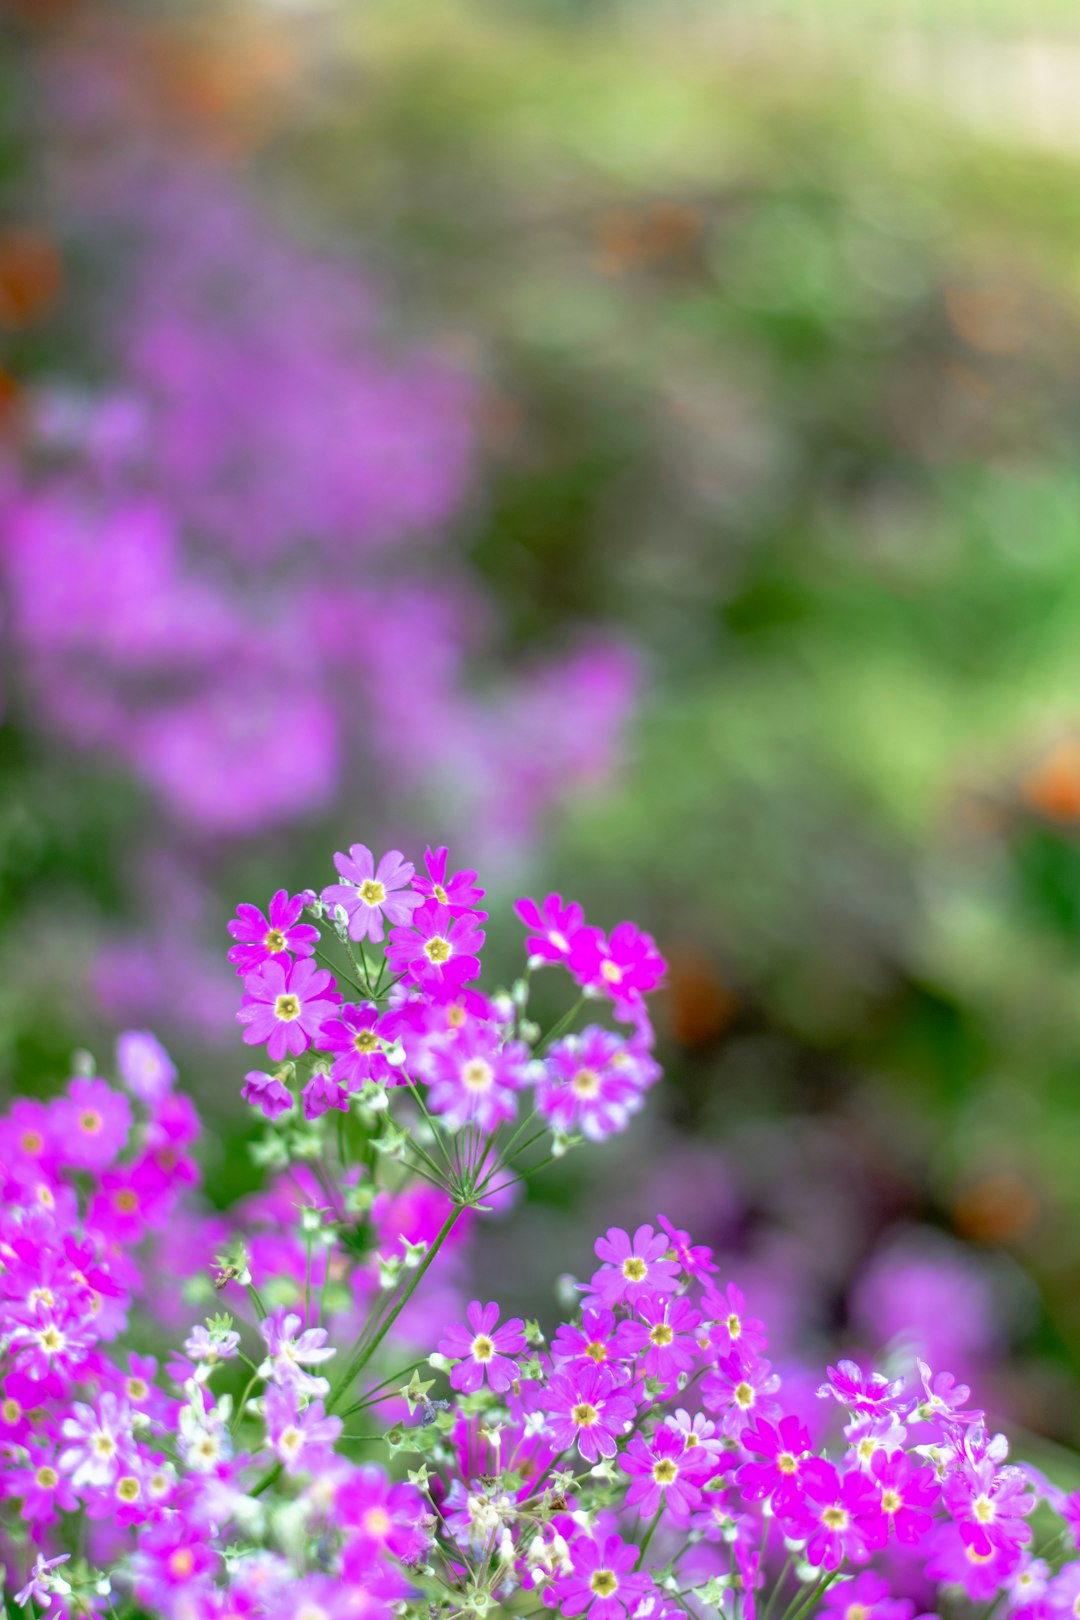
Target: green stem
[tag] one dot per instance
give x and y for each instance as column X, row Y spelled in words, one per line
column 363, row 1353
column 648, row 1536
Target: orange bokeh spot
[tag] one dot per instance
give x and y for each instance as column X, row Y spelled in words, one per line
column 31, row 275
column 1053, row 785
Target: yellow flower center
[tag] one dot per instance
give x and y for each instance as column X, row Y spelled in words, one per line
column 274, row 941
column 734, row 1326
column 372, row 892
column 983, row 1509
column 365, row 1041
column 586, row 1083
column 128, row 1488
column 477, row 1075
column 661, row 1335
column 605, row 1583
column 455, row 1017
column 437, row 950
column 611, row 971
column 744, row 1395
column 584, row 1415
column 126, row 1201
column 104, row 1445
column 665, row 1471
column 786, row 1463
column 596, row 1351
column 51, row 1341
column 138, row 1389
column 11, row 1411
column 46, row 1477
column 181, row 1562
column 287, row 1008
column 440, row 894
column 891, row 1501
column 856, row 1611
column 377, row 1523
column 835, row 1518
column 482, row 1348
column 634, row 1269
column 32, row 1142
column 90, row 1122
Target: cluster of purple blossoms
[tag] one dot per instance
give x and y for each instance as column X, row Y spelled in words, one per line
column 649, row 1463
column 412, row 944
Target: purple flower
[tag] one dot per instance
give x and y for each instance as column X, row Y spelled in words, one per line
column 482, row 1350
column 594, row 1082
column 553, row 927
column 739, row 1389
column 38, row 1586
column 458, row 892
column 144, row 1066
column 865, row 1597
column 440, row 950
column 322, row 1093
column 593, row 1341
column 372, row 894
column 664, row 1473
column 292, row 1349
column 266, row 939
column 833, row 1513
column 632, row 1268
column 907, row 1495
column 866, row 1392
column 602, row 1581
column 474, row 1080
column 623, row 967
column 733, row 1329
column 588, row 1410
column 662, row 1334
column 990, row 1504
column 285, row 1006
column 783, row 1448
column 299, row 1436
column 356, row 1036
column 267, row 1093
column 91, row 1124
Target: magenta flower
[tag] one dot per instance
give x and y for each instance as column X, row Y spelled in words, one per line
column 473, row 1080
column 990, row 1504
column 733, row 1329
column 624, row 966
column 783, row 1449
column 587, row 1409
column 907, row 1495
column 594, row 1341
column 458, row 892
column 482, row 1350
column 299, row 1436
column 632, row 1269
column 866, row 1392
column 695, row 1258
column 594, row 1082
column 356, row 1036
column 665, row 1473
column 286, row 1005
column 602, row 1581
column 270, row 938
column 291, row 1349
column 553, row 927
column 91, row 1124
column 833, row 1513
column 738, row 1390
column 379, row 1517
column 98, row 1439
column 322, row 1093
column 439, row 950
column 267, row 1093
column 954, row 1562
column 662, row 1334
column 866, row 1597
column 372, row 894
column 37, row 1587
column 942, row 1398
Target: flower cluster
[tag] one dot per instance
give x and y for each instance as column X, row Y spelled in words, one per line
column 219, row 1478
column 649, row 1463
column 417, row 1020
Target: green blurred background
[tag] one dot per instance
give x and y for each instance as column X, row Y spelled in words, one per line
column 776, row 310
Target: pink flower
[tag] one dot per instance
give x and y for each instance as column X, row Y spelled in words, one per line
column 372, row 894
column 291, row 1349
column 299, row 1436
column 267, row 1093
column 593, row 1341
column 144, row 1066
column 474, row 1079
column 633, row 1268
column 739, row 1389
column 833, row 1513
column 458, row 893
column 588, row 1410
column 954, row 1562
column 482, row 1349
column 695, row 1258
column 554, row 927
column 602, row 1581
column 92, row 1124
column 989, row 1504
column 907, row 1494
column 733, row 1329
column 270, row 938
column 866, row 1392
column 866, row 1596
column 594, row 1082
column 379, row 1517
column 624, row 966
column 322, row 1093
column 663, row 1336
column 664, row 1473
column 98, row 1440
column 356, row 1036
column 783, row 1448
column 285, row 1006
column 439, row 950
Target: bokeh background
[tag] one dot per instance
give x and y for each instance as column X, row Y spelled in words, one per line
column 639, row 446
